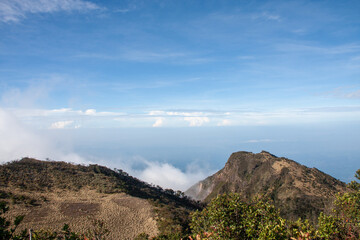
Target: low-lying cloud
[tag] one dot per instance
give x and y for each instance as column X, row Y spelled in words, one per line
column 18, row 141
column 168, row 176
column 161, row 173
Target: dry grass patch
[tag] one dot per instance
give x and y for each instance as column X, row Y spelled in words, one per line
column 124, row 216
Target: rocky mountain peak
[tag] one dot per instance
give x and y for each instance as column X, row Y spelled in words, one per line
column 298, row 191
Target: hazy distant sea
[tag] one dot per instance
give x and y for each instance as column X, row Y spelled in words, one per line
column 332, row 148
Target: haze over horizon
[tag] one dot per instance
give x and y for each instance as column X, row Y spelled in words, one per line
column 169, row 89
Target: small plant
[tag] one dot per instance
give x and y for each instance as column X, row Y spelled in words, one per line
column 7, row 230
column 98, row 231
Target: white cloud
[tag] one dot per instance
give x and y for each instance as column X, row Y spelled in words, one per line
column 186, row 114
column 152, row 113
column 344, row 92
column 61, row 124
column 177, row 114
column 23, row 112
column 163, row 174
column 14, row 10
column 91, row 112
column 18, row 141
column 267, row 16
column 61, row 110
column 91, row 118
column 196, row 121
column 194, row 118
column 355, row 94
column 224, row 122
column 270, row 16
column 159, row 122
column 168, row 176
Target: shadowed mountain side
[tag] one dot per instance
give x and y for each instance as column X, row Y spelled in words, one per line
column 298, row 191
column 51, row 193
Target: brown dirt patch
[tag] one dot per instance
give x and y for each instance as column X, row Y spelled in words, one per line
column 79, row 209
column 125, row 216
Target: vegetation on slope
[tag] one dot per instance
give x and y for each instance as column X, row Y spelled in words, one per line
column 172, row 208
column 296, row 190
column 229, row 217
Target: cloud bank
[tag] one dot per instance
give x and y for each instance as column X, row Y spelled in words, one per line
column 165, row 174
column 18, row 141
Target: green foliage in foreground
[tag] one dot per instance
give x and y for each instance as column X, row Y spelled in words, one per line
column 228, row 217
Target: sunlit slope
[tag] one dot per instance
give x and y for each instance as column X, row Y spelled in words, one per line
column 298, row 191
column 51, row 194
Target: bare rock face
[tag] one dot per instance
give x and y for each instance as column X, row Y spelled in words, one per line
column 298, row 191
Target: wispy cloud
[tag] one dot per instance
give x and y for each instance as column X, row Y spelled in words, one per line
column 15, row 10
column 146, row 56
column 314, row 49
column 355, row 94
column 65, row 112
column 344, row 92
column 267, row 16
column 90, row 118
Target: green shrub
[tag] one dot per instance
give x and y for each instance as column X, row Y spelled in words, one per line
column 228, row 217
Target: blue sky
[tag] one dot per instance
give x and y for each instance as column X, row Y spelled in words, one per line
column 76, row 64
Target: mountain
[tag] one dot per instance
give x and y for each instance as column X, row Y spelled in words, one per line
column 296, row 190
column 51, row 193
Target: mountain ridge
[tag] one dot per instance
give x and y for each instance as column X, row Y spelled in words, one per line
column 298, row 191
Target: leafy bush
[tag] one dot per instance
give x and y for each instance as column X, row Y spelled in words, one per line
column 344, row 223
column 228, row 217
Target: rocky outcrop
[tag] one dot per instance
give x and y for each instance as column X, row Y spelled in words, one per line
column 298, row 191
